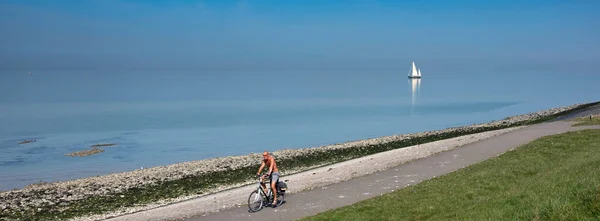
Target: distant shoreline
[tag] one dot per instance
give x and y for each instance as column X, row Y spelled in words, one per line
column 201, row 177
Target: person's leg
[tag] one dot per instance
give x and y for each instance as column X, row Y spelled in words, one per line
column 262, row 183
column 264, row 187
column 274, row 180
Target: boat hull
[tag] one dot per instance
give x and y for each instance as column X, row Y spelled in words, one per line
column 414, row 76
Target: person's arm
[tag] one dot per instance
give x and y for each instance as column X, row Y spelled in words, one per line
column 262, row 165
column 272, row 164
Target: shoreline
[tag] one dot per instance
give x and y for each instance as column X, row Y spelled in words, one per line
column 319, row 177
column 200, row 178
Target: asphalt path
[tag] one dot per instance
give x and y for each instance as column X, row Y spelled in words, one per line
column 313, row 201
column 318, row 200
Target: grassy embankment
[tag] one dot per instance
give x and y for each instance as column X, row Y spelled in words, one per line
column 204, row 182
column 585, row 121
column 552, row 178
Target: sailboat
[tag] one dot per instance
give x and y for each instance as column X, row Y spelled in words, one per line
column 415, row 73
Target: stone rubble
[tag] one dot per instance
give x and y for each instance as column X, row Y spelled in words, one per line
column 48, row 194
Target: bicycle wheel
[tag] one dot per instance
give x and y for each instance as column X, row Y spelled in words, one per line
column 280, row 199
column 255, row 201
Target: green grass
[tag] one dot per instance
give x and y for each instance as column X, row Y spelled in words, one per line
column 552, row 178
column 205, row 182
column 585, row 121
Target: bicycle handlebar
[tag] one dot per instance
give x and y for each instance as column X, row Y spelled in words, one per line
column 265, row 180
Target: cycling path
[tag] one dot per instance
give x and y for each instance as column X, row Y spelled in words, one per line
column 351, row 188
column 349, row 192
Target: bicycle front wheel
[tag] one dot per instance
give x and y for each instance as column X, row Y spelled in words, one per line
column 255, row 201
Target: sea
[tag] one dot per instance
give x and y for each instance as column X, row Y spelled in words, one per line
column 162, row 117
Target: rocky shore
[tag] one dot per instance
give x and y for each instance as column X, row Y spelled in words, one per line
column 39, row 198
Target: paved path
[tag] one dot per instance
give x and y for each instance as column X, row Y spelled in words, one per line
column 593, row 110
column 349, row 192
column 306, row 203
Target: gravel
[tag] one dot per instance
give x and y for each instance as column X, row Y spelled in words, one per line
column 49, row 194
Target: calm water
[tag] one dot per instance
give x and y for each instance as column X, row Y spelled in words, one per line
column 166, row 117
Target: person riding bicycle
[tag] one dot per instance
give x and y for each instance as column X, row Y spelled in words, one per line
column 273, row 173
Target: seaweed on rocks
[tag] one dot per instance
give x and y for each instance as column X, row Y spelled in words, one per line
column 84, row 153
column 96, row 195
column 104, row 145
column 27, row 141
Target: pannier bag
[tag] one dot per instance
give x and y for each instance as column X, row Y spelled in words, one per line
column 281, row 186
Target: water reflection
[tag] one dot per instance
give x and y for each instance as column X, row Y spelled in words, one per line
column 415, row 89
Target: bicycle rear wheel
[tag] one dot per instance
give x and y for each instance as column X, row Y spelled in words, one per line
column 280, row 199
column 255, row 201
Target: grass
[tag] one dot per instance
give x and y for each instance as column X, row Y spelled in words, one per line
column 552, row 178
column 205, row 182
column 586, row 121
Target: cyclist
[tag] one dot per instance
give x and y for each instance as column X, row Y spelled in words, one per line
column 273, row 174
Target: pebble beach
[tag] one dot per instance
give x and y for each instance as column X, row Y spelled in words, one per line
column 63, row 193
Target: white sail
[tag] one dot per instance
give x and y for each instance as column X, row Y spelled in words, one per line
column 419, row 72
column 414, row 70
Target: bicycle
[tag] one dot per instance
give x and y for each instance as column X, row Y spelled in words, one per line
column 258, row 198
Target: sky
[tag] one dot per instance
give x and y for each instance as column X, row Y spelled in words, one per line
column 298, row 35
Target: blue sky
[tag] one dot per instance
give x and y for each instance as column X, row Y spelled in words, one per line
column 294, row 34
